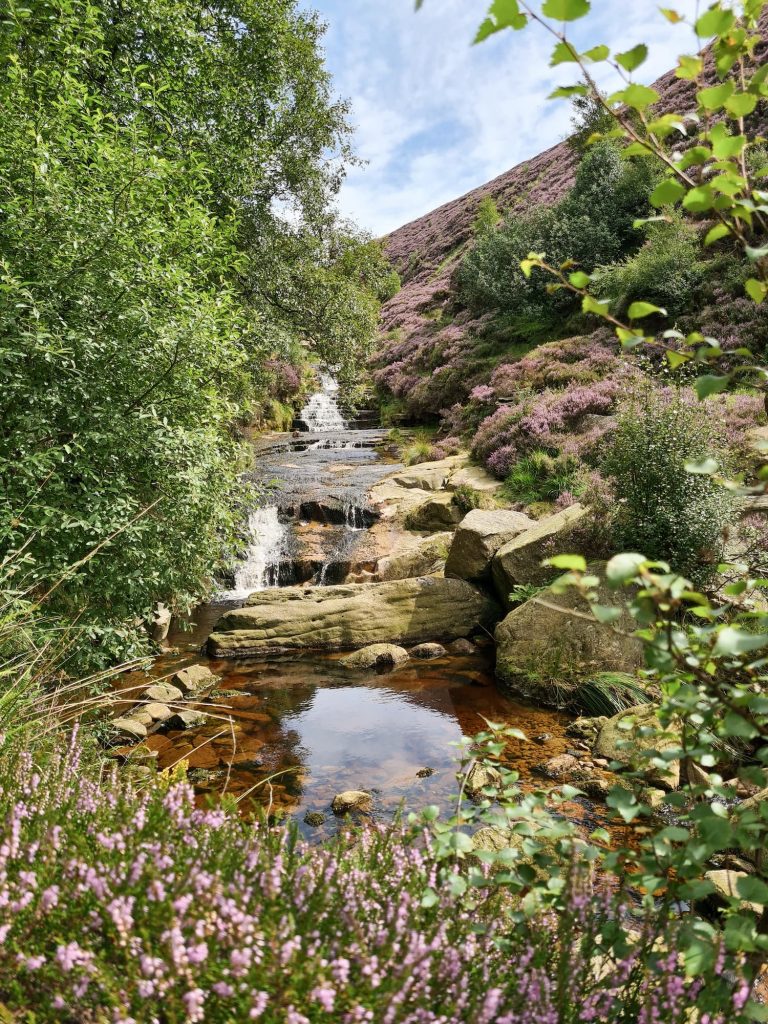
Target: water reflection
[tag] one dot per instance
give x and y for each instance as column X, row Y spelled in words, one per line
column 305, row 729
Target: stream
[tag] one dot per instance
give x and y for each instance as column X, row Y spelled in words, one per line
column 306, row 728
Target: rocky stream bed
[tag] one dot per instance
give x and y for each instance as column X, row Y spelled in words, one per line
column 354, row 645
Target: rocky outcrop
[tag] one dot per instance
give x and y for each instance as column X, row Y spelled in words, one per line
column 436, row 513
column 351, row 800
column 476, row 478
column 478, row 538
column 403, row 611
column 430, row 476
column 621, row 739
column 428, row 651
column 427, row 556
column 547, row 645
column 518, row 561
column 376, row 656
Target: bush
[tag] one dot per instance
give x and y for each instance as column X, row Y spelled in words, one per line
column 667, row 271
column 125, row 905
column 466, row 498
column 542, row 477
column 664, row 511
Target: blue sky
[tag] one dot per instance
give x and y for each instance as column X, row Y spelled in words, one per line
column 436, row 116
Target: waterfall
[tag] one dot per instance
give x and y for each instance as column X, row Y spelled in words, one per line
column 321, row 413
column 260, row 569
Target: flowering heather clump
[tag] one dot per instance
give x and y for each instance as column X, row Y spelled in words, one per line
column 286, row 380
column 444, row 447
column 545, row 420
column 580, row 360
column 128, row 907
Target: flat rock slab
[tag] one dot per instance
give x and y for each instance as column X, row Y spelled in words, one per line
column 404, row 612
column 479, row 537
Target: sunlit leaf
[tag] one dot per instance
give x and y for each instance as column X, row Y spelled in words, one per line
column 633, row 58
column 565, row 10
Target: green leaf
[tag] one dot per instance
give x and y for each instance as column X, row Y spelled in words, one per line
column 565, row 10
column 755, row 289
column 624, row 567
column 633, row 58
column 429, row 898
column 605, row 613
column 677, row 359
column 597, row 53
column 638, row 310
column 566, row 91
column 671, row 15
column 699, row 199
column 573, row 563
column 715, row 96
column 667, row 192
column 689, row 67
column 579, row 279
column 735, row 641
column 736, row 726
column 716, row 233
column 741, row 104
column 625, row 803
column 709, row 384
column 702, row 467
column 502, row 14
column 637, row 96
column 563, row 53
column 756, row 253
column 715, row 22
column 724, row 145
column 590, row 304
column 460, row 842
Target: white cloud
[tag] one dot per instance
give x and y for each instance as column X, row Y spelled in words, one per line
column 436, row 116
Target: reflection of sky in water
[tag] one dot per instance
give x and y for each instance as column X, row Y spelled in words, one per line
column 382, row 737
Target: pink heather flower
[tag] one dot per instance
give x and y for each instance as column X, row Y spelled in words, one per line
column 325, row 996
column 194, row 1003
column 259, row 1005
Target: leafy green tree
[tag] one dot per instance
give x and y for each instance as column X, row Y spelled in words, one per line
column 166, row 169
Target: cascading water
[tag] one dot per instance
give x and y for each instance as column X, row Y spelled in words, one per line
column 321, row 413
column 260, row 569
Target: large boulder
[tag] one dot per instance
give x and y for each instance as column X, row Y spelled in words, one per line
column 424, row 558
column 479, row 537
column 436, row 513
column 404, row 612
column 429, row 476
column 548, row 645
column 621, row 739
column 376, row 656
column 518, row 561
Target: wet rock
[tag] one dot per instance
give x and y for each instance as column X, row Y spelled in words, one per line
column 493, row 840
column 518, row 560
column 351, row 800
column 194, row 678
column 129, row 728
column 376, row 656
column 157, row 712
column 186, row 720
column 462, row 646
column 542, row 738
column 547, row 645
column 160, row 623
column 479, row 537
column 314, row 818
column 355, row 615
column 559, row 768
column 427, row 651
column 425, row 773
column 434, row 514
column 585, row 728
column 620, row 739
column 481, row 776
column 725, row 883
column 163, row 693
column 428, row 476
column 424, row 558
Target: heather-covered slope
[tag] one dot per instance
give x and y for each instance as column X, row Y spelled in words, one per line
column 435, row 351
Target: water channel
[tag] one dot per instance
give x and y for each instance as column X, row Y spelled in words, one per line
column 305, row 728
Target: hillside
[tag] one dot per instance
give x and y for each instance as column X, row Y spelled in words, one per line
column 436, row 349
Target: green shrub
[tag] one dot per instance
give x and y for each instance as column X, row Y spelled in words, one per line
column 662, row 510
column 608, row 693
column 466, row 498
column 418, row 451
column 667, row 270
column 487, row 217
column 542, row 477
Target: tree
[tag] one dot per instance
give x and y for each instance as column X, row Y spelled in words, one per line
column 165, row 169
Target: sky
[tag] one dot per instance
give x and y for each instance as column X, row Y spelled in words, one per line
column 436, row 116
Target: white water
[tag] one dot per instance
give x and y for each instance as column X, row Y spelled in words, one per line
column 260, row 568
column 321, row 413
